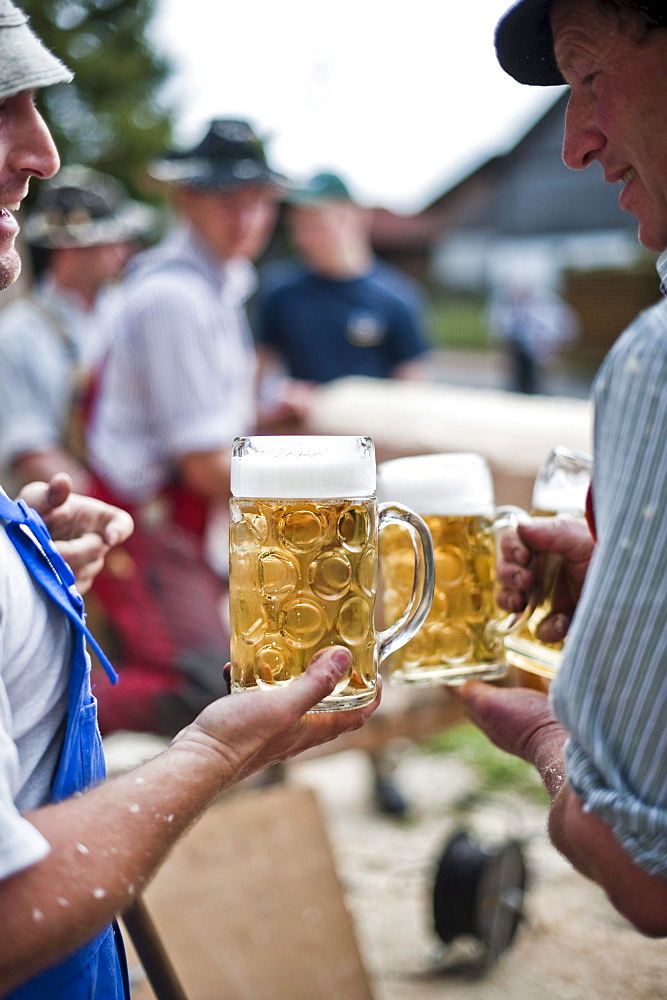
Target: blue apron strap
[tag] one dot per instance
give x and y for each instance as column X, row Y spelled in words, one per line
column 48, row 567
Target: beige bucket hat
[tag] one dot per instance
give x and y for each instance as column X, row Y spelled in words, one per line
column 25, row 63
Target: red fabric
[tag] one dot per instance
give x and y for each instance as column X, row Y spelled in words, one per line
column 590, row 513
column 159, row 598
column 131, row 704
column 188, row 510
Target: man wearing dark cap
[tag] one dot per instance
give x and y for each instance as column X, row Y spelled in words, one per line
column 176, row 387
column 600, row 742
column 75, row 850
column 341, row 312
column 84, row 227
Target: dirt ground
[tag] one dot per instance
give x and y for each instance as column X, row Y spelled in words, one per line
column 571, row 945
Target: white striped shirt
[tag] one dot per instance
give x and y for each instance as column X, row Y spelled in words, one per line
column 44, row 338
column 180, row 373
column 611, row 692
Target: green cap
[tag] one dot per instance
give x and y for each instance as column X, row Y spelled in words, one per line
column 321, row 187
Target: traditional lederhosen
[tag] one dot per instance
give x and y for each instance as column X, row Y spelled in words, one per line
column 97, row 969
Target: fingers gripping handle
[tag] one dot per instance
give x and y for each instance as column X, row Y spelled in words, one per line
column 508, row 518
column 424, row 578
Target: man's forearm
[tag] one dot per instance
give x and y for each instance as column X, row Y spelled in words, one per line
column 521, row 722
column 105, row 845
column 589, row 844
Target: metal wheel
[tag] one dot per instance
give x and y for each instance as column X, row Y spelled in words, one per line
column 479, row 892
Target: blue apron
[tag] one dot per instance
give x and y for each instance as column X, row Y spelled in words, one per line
column 97, row 971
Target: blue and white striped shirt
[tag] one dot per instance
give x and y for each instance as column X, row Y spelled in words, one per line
column 611, row 692
column 180, row 373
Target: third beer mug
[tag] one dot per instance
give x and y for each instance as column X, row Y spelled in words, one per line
column 560, row 491
column 303, row 562
column 462, row 637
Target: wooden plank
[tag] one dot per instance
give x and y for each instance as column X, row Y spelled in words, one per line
column 249, row 907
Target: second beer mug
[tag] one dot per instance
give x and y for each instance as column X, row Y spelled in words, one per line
column 462, row 637
column 303, row 562
column 559, row 491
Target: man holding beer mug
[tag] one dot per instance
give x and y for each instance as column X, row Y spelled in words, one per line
column 72, row 855
column 600, row 743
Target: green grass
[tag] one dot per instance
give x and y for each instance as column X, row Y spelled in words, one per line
column 496, row 771
column 458, row 324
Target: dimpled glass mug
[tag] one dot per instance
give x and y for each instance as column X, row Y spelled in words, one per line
column 303, row 562
column 560, row 491
column 462, row 636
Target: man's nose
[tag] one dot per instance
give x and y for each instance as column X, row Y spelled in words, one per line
column 583, row 139
column 36, row 152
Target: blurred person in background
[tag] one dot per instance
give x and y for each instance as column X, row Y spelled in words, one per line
column 532, row 324
column 339, row 311
column 599, row 741
column 85, row 228
column 176, row 386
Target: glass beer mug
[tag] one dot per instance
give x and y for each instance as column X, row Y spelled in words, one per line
column 303, row 562
column 462, row 636
column 559, row 491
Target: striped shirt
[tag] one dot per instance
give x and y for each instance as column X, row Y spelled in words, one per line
column 611, row 692
column 45, row 338
column 180, row 373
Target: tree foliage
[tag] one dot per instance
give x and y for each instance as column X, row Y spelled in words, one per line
column 110, row 117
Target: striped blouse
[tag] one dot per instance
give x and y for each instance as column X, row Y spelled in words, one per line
column 611, row 693
column 180, row 373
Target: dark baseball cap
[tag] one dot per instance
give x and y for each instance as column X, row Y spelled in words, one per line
column 525, row 45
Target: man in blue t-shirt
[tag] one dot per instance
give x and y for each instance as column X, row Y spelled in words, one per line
column 340, row 312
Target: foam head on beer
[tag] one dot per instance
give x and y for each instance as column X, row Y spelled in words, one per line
column 295, row 467
column 451, row 484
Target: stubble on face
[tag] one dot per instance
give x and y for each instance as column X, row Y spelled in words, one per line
column 10, row 262
column 11, row 193
column 10, row 266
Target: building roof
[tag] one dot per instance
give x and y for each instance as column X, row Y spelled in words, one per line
column 526, row 192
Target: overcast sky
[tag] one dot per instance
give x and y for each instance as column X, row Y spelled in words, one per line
column 401, row 98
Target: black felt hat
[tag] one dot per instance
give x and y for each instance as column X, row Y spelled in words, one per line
column 525, row 45
column 229, row 156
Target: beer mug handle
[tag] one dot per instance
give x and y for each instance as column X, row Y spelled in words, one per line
column 423, row 584
column 510, row 516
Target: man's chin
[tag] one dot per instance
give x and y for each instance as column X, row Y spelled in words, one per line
column 652, row 235
column 10, row 268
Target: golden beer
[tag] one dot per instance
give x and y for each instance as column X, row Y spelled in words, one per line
column 303, row 563
column 523, row 649
column 303, row 575
column 559, row 491
column 458, row 639
column 462, row 637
